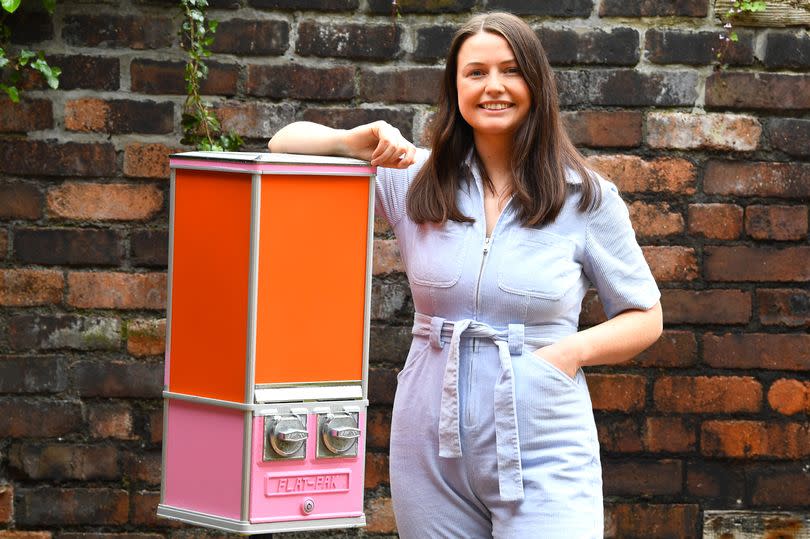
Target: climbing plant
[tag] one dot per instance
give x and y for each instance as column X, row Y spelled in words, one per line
column 13, row 65
column 729, row 35
column 201, row 128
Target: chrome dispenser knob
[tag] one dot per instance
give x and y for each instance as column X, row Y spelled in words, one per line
column 339, row 433
column 286, row 437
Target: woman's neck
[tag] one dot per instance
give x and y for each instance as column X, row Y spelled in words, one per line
column 495, row 154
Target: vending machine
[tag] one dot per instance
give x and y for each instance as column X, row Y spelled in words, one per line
column 266, row 378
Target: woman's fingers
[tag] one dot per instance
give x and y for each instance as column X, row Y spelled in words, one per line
column 393, row 150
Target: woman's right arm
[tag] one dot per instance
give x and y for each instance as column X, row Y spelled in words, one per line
column 379, row 142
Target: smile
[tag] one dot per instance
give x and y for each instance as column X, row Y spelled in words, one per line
column 496, row 106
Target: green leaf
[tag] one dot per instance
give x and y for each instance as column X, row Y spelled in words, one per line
column 3, row 61
column 12, row 92
column 734, row 37
column 25, row 56
column 10, row 5
column 50, row 5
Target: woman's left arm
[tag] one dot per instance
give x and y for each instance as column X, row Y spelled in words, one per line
column 619, row 339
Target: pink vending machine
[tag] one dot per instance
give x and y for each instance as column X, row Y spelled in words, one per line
column 265, row 392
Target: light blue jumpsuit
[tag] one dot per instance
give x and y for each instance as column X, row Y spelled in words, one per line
column 488, row 439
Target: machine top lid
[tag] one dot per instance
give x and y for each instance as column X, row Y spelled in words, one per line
column 273, row 158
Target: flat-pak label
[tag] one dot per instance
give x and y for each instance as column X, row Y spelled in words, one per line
column 327, row 481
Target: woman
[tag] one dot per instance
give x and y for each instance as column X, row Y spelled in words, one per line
column 502, row 228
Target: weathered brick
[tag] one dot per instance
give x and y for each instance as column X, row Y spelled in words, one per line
column 252, row 37
column 592, row 311
column 148, row 160
column 25, row 116
column 9, row 534
column 401, row 85
column 758, row 351
column 144, row 511
column 715, row 221
column 142, row 466
column 657, row 478
column 378, row 427
column 617, row 392
column 307, row 5
column 104, row 202
column 618, row 47
column 48, row 506
column 3, row 243
column 753, row 439
column 23, row 418
column 669, row 434
column 757, row 264
column 6, row 503
column 382, row 383
column 376, row 470
column 627, row 88
column 355, row 41
column 740, row 178
column 118, row 379
column 390, row 344
column 790, row 135
column 388, row 298
column 301, row 82
column 119, row 31
column 20, row 201
column 787, row 307
column 113, row 290
column 257, row 120
column 776, row 222
column 29, row 26
column 61, row 462
column 146, row 337
column 619, row 435
column 340, row 118
column 98, row 535
column 155, row 425
column 380, row 514
column 634, row 175
column 786, row 485
column 647, row 8
column 87, row 72
column 664, row 521
column 33, row 374
column 54, row 332
column 598, row 129
column 433, row 43
column 704, row 394
column 706, row 306
column 671, row 263
column 110, row 420
column 383, row 7
column 683, row 131
column 766, row 91
column 163, row 77
column 673, row 349
column 655, row 220
column 787, row 50
column 50, row 158
column 789, row 397
column 67, row 246
column 119, row 116
column 719, row 484
column 28, row 287
column 149, row 248
column 697, row 48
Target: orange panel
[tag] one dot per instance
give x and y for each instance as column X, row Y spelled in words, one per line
column 312, row 279
column 210, row 284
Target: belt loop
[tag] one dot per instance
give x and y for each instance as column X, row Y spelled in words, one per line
column 435, row 339
column 515, row 337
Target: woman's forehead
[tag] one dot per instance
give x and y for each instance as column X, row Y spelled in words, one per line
column 484, row 47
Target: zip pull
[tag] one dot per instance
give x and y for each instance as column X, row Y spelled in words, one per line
column 487, row 241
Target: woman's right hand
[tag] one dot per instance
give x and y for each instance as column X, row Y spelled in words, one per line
column 380, row 143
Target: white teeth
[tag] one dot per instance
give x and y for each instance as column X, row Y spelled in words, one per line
column 496, row 106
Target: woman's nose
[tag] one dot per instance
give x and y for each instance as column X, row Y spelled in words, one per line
column 494, row 83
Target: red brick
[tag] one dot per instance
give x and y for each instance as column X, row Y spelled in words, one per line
column 142, row 467
column 683, row 131
column 757, row 179
column 9, row 534
column 26, row 116
column 23, row 418
column 645, row 521
column 789, row 397
column 111, row 290
column 758, row 351
column 68, row 246
column 671, row 263
column 149, row 247
column 29, row 287
column 118, row 379
column 401, row 85
column 706, row 306
column 768, row 91
column 378, row 428
column 254, row 120
column 156, row 426
column 776, row 222
column 33, row 374
column 6, row 503
column 592, row 311
column 619, row 435
column 754, row 439
column 61, row 462
column 380, row 515
column 790, row 135
column 673, row 349
column 376, row 470
column 3, row 243
column 659, row 478
column 119, row 116
column 721, row 483
column 634, row 175
column 704, row 394
column 387, row 258
column 382, row 384
column 49, row 158
column 104, row 202
column 655, row 220
column 346, row 118
column 355, row 41
column 597, row 129
column 617, row 392
column 143, row 160
column 146, row 337
column 757, row 263
column 786, row 485
column 715, row 221
column 251, row 37
column 20, row 201
column 302, row 82
column 669, row 434
column 50, row 506
column 110, row 420
column 115, row 31
column 166, row 78
column 144, row 511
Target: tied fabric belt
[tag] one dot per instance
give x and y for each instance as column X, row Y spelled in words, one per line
column 509, row 342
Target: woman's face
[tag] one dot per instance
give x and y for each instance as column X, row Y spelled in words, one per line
column 493, row 97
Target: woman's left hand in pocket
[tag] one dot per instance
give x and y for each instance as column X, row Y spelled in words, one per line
column 559, row 356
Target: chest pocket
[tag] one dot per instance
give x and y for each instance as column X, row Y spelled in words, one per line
column 538, row 264
column 438, row 253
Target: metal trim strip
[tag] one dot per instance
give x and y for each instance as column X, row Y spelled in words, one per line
column 170, row 275
column 209, row 401
column 369, row 277
column 293, row 393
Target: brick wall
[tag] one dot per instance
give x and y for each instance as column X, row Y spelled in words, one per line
column 714, row 165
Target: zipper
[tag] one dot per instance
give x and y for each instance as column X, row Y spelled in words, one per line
column 487, row 244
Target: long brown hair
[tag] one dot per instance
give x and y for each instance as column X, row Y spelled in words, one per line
column 542, row 151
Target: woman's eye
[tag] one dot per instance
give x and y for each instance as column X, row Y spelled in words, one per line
column 513, row 70
column 476, row 73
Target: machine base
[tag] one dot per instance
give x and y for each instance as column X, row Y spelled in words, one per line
column 247, row 528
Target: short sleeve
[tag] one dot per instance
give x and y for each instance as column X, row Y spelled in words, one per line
column 392, row 188
column 613, row 259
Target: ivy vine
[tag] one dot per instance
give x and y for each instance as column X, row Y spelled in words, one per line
column 201, row 128
column 12, row 66
column 729, row 35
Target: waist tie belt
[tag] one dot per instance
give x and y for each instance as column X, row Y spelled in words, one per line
column 509, row 342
